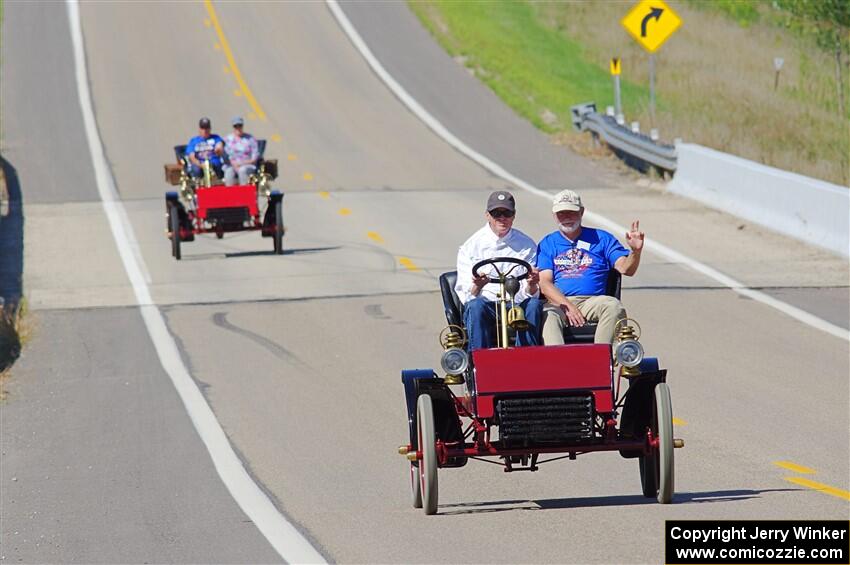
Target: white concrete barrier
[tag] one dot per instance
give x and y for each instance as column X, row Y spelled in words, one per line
column 811, row 210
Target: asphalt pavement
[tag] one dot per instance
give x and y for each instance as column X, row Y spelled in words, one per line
column 299, row 355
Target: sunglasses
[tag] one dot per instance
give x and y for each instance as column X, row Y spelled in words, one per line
column 502, row 213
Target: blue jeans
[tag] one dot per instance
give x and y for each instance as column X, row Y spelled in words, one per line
column 479, row 317
column 197, row 171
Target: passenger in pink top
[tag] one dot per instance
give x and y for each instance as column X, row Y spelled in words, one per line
column 243, row 154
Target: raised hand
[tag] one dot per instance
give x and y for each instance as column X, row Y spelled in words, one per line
column 634, row 237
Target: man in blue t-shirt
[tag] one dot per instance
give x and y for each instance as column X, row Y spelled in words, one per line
column 205, row 146
column 574, row 263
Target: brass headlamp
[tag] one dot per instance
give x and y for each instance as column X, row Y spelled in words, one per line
column 455, row 359
column 628, row 352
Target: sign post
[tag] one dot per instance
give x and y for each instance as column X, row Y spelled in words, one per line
column 777, row 65
column 651, row 23
column 615, row 72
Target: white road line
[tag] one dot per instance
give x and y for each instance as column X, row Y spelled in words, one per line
column 292, row 546
column 652, row 245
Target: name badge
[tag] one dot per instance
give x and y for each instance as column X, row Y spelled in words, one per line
column 583, row 245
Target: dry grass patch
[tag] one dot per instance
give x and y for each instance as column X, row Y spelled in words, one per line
column 16, row 330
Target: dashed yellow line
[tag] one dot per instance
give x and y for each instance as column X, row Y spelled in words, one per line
column 325, row 194
column 794, row 467
column 292, row 156
column 375, row 236
column 276, row 137
column 231, row 61
column 820, row 487
column 408, row 264
column 345, row 211
column 679, row 422
column 307, row 176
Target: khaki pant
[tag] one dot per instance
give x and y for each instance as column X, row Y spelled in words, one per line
column 605, row 310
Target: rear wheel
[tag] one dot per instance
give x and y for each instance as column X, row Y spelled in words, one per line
column 428, row 445
column 278, row 228
column 656, row 469
column 415, row 486
column 174, row 224
column 664, row 416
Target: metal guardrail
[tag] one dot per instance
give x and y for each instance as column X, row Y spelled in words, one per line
column 622, row 139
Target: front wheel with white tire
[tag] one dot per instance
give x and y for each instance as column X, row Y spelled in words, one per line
column 415, row 486
column 427, row 436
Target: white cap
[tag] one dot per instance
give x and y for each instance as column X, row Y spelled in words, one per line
column 566, row 200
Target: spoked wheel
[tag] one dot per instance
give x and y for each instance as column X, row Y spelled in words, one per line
column 415, row 485
column 174, row 225
column 428, row 445
column 278, row 228
column 656, row 469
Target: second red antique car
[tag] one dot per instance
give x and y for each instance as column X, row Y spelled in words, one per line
column 205, row 205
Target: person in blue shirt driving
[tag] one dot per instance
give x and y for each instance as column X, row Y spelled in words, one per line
column 205, row 146
column 574, row 262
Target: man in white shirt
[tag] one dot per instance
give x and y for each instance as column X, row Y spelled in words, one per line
column 497, row 239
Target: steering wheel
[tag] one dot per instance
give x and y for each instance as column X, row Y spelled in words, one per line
column 513, row 260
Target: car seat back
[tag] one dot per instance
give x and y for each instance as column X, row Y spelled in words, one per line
column 451, row 302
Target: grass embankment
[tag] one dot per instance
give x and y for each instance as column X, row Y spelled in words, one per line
column 714, row 76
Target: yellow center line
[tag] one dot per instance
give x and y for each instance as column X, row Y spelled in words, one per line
column 794, row 467
column 679, row 422
column 276, row 137
column 308, row 176
column 232, row 62
column 292, row 156
column 820, row 487
column 325, row 194
column 344, row 211
column 408, row 264
column 375, row 236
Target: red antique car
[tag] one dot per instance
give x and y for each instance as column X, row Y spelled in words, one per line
column 525, row 406
column 206, row 205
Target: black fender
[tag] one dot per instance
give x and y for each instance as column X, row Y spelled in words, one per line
column 268, row 218
column 637, row 405
column 446, row 420
column 172, row 198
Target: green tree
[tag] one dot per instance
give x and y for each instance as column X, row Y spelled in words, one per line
column 828, row 21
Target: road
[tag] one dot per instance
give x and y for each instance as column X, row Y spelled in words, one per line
column 299, row 355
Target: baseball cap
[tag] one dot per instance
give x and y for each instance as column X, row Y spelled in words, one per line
column 237, row 121
column 566, row 200
column 204, row 123
column 501, row 199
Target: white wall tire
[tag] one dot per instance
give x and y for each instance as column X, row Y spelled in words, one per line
column 415, row 486
column 428, row 445
column 664, row 431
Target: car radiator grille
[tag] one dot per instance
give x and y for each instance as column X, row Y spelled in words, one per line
column 228, row 215
column 526, row 421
